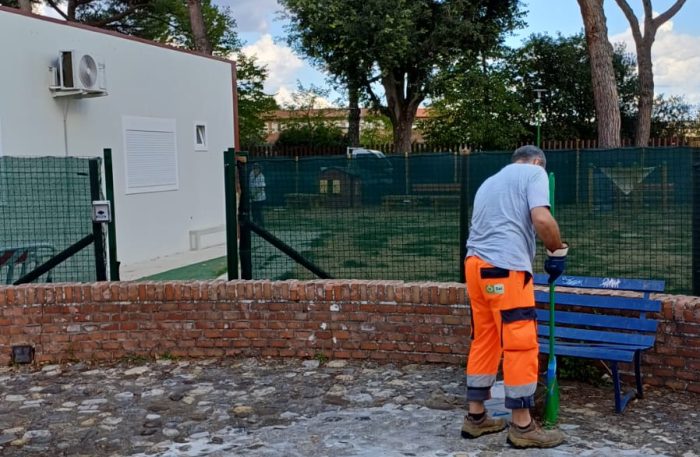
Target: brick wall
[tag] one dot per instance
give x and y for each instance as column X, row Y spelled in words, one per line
column 377, row 320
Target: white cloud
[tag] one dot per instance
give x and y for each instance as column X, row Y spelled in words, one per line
column 252, row 15
column 45, row 10
column 282, row 64
column 676, row 59
column 285, row 97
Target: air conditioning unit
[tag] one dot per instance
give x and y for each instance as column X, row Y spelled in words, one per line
column 78, row 74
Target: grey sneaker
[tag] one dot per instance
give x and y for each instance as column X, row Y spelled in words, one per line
column 534, row 436
column 474, row 429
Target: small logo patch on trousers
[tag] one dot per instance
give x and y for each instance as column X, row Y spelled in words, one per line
column 497, row 289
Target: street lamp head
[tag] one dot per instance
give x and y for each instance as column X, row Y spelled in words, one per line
column 539, row 93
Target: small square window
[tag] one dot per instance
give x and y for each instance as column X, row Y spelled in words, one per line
column 200, row 136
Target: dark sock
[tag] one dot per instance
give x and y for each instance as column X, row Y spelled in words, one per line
column 525, row 427
column 477, row 417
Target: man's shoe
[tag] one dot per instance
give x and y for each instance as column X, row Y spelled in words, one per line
column 474, row 429
column 533, row 436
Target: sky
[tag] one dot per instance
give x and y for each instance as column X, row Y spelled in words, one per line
column 676, row 51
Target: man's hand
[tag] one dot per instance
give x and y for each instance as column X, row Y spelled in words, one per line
column 556, row 262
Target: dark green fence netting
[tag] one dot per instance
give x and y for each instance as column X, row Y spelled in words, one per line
column 45, row 206
column 625, row 212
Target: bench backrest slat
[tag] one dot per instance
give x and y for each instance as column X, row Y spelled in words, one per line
column 601, row 301
column 599, row 321
column 597, row 336
column 588, row 282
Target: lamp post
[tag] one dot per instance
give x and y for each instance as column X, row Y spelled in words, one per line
column 538, row 117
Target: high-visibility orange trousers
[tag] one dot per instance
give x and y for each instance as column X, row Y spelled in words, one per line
column 503, row 323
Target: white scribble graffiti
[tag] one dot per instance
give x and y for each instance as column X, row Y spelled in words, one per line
column 610, row 283
column 566, row 281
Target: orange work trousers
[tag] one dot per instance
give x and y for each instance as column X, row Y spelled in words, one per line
column 503, row 324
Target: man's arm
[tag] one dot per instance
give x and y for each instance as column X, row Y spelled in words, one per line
column 546, row 227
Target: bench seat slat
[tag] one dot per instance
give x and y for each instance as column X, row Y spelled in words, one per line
column 601, row 301
column 599, row 320
column 632, row 339
column 589, row 282
column 590, row 352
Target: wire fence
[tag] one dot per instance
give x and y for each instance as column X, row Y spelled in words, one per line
column 625, row 212
column 45, row 207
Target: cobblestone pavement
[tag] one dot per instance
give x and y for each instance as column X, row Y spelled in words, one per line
column 263, row 408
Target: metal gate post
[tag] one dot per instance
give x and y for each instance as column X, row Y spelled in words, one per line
column 99, row 242
column 696, row 222
column 231, row 216
column 244, row 218
column 463, row 212
column 111, row 227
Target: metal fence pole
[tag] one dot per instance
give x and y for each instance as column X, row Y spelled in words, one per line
column 463, row 213
column 696, row 222
column 231, row 216
column 99, row 242
column 244, row 218
column 112, row 226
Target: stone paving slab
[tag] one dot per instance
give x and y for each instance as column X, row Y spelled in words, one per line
column 297, row 408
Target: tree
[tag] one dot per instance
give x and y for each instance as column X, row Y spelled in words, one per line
column 673, row 117
column 199, row 31
column 605, row 94
column 480, row 105
column 643, row 42
column 491, row 102
column 400, row 45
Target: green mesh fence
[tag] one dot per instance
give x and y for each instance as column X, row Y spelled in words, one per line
column 626, row 213
column 45, row 206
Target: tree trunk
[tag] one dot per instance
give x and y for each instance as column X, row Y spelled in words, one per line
column 354, row 115
column 643, row 42
column 646, row 95
column 401, row 107
column 605, row 95
column 403, row 129
column 71, row 9
column 199, row 30
column 25, row 5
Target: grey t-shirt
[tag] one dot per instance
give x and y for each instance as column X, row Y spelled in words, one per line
column 501, row 231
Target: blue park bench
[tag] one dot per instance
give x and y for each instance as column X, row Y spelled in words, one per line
column 601, row 327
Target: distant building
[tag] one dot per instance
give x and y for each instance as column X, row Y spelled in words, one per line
column 275, row 121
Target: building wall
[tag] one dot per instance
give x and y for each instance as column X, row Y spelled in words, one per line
column 143, row 80
column 378, row 320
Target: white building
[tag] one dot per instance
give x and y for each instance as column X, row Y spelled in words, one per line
column 167, row 115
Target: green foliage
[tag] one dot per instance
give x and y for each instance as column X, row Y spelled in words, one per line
column 307, row 125
column 490, row 101
column 580, row 370
column 399, row 44
column 321, row 357
column 479, row 106
column 376, row 129
column 311, row 132
column 673, row 117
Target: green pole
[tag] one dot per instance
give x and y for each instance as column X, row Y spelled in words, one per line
column 551, row 410
column 231, row 213
column 111, row 227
